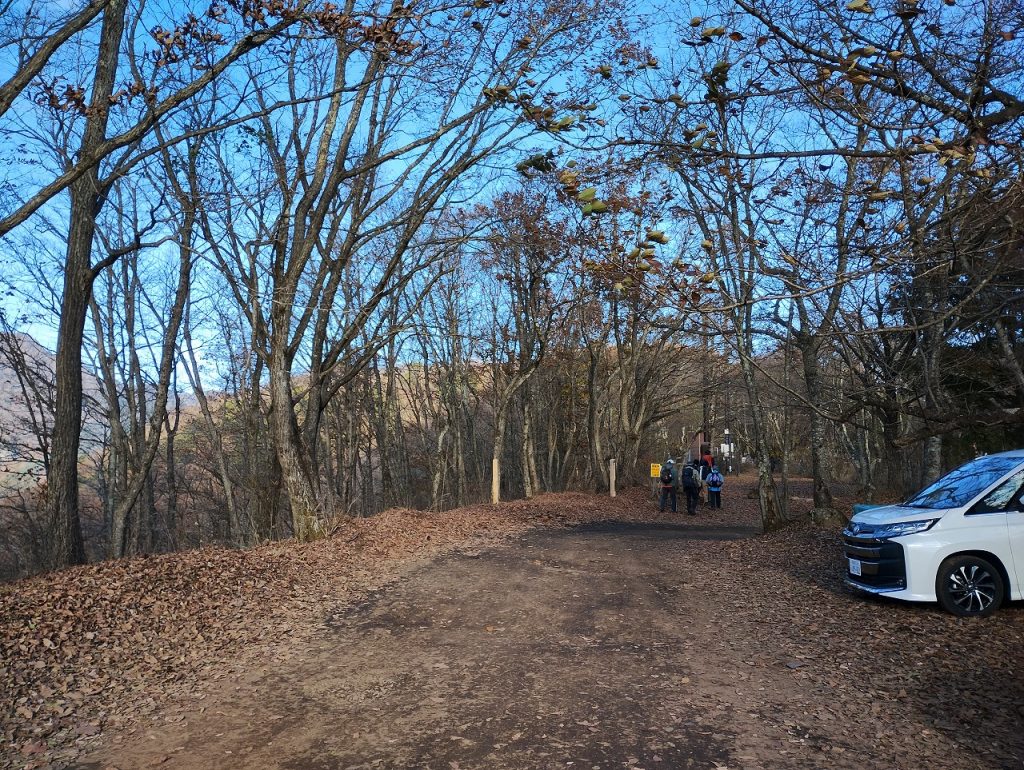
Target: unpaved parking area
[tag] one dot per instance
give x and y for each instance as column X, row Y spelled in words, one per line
column 580, row 647
column 687, row 644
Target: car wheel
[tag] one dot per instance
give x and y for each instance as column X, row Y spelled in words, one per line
column 969, row 586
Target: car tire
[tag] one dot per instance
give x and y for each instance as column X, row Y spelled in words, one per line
column 969, row 586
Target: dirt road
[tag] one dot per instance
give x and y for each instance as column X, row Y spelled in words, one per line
column 582, row 649
column 616, row 646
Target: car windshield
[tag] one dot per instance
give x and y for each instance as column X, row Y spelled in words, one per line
column 959, row 487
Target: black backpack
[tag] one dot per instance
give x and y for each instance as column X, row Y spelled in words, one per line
column 666, row 475
column 688, row 480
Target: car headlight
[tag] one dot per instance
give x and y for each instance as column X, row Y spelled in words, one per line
column 903, row 528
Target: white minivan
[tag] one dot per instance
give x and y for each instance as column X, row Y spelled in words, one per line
column 960, row 541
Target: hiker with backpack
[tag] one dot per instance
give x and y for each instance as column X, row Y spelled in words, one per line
column 715, row 482
column 668, row 485
column 691, row 485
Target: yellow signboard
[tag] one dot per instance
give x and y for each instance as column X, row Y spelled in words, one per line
column 655, row 470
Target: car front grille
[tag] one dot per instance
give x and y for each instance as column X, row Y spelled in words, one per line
column 882, row 562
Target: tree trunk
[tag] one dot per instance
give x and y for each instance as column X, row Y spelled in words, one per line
column 171, row 516
column 65, row 527
column 462, row 437
column 142, row 511
column 767, row 495
column 302, row 491
column 380, row 406
column 439, row 475
column 1008, row 358
column 529, row 470
column 932, row 466
column 820, row 470
column 531, row 460
column 65, row 530
column 459, row 447
column 500, row 422
column 597, row 470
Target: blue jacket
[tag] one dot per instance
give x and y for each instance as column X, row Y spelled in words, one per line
column 715, row 481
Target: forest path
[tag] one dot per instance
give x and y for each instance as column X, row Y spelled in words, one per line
column 597, row 647
column 688, row 642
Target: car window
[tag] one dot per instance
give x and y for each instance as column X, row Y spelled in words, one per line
column 959, row 487
column 1000, row 497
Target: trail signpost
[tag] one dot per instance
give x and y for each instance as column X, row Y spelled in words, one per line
column 655, row 475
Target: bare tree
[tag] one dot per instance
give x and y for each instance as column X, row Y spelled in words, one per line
column 82, row 115
column 363, row 171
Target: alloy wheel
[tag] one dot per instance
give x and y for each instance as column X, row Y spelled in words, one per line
column 972, row 588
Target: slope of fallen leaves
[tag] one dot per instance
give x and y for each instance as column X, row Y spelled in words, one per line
column 82, row 648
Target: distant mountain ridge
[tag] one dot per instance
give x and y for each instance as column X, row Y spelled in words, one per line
column 27, row 383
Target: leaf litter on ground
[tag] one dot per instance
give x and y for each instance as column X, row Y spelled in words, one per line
column 104, row 646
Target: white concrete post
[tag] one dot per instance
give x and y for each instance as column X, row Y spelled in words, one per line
column 611, row 475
